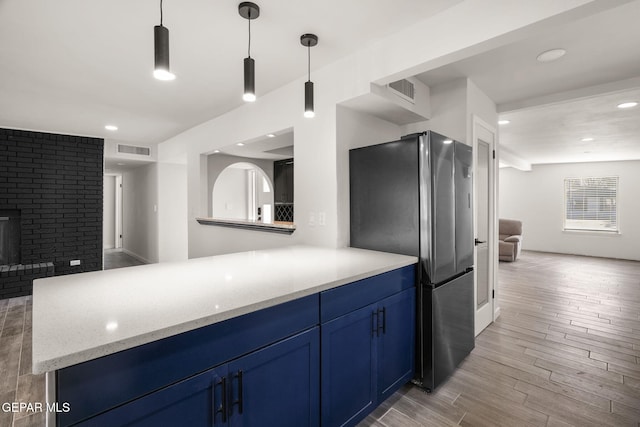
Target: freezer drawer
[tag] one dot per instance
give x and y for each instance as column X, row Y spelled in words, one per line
column 449, row 329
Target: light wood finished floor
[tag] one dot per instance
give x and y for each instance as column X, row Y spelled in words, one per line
column 565, row 351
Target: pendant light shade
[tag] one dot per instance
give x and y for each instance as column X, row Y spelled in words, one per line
column 161, row 51
column 308, row 100
column 249, row 80
column 249, row 11
column 308, row 40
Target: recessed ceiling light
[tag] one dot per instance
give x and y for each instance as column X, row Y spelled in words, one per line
column 586, row 139
column 240, row 144
column 551, row 55
column 627, row 104
column 216, row 151
column 111, row 127
column 270, row 135
column 504, row 122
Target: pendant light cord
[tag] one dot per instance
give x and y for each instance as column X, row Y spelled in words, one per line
column 161, row 13
column 309, row 62
column 249, row 46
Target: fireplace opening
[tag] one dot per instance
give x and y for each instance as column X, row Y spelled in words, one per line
column 9, row 237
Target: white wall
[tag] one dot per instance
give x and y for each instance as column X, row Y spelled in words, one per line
column 355, row 129
column 172, row 211
column 448, row 112
column 216, row 163
column 140, row 216
column 230, row 194
column 537, row 199
column 109, row 213
column 318, row 153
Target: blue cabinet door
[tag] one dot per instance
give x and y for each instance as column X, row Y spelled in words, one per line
column 396, row 343
column 348, row 367
column 275, row 386
column 192, row 402
column 278, row 385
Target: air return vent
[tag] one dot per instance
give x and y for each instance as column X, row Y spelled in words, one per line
column 404, row 89
column 132, row 149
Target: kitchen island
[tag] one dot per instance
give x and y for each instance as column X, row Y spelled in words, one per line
column 162, row 340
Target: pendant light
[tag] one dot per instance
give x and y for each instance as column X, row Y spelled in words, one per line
column 161, row 50
column 308, row 40
column 249, row 11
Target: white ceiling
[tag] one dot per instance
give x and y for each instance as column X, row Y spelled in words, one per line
column 74, row 66
column 547, row 121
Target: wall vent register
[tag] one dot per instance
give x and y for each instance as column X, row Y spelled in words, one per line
column 403, row 88
column 132, row 149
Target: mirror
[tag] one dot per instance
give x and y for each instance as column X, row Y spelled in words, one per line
column 252, row 181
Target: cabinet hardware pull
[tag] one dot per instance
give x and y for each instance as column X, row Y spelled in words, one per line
column 240, row 398
column 384, row 320
column 374, row 323
column 223, row 405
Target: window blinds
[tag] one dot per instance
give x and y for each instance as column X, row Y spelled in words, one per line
column 591, row 203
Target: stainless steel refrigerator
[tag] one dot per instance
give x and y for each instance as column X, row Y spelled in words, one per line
column 414, row 197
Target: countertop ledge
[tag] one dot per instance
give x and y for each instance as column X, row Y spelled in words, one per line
column 81, row 317
column 273, row 227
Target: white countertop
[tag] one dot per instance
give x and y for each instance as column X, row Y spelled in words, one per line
column 85, row 316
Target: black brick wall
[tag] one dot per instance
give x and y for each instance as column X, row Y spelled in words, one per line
column 56, row 183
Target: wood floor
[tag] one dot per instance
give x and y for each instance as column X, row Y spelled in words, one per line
column 17, row 384
column 565, row 351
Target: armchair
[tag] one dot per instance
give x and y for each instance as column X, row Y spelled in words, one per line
column 510, row 239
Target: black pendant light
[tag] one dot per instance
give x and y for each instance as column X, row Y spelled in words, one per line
column 308, row 40
column 249, row 11
column 161, row 50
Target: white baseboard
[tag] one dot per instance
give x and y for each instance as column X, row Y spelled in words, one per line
column 496, row 313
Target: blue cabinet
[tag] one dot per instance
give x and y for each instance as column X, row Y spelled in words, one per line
column 277, row 385
column 262, row 368
column 396, row 342
column 367, row 354
column 349, row 367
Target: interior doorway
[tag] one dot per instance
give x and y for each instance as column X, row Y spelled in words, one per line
column 112, row 212
column 484, row 137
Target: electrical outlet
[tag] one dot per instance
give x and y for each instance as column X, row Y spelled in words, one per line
column 312, row 219
column 322, row 218
column 74, row 262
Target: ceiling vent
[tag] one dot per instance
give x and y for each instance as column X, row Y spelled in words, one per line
column 404, row 89
column 132, row 149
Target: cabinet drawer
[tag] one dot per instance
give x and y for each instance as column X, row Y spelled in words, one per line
column 350, row 297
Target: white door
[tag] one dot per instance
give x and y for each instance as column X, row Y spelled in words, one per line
column 484, row 195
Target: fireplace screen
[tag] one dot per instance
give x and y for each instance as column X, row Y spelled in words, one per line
column 9, row 237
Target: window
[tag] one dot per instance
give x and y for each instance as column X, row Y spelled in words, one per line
column 591, row 204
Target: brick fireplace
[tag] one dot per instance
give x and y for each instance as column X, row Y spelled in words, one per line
column 51, row 197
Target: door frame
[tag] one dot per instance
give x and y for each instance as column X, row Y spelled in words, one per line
column 487, row 133
column 118, row 216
